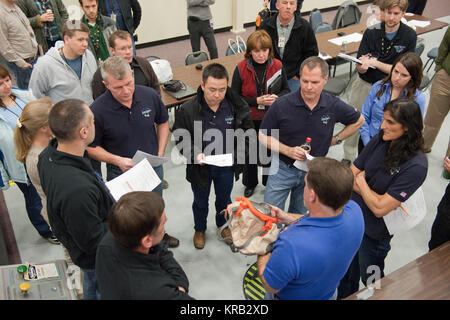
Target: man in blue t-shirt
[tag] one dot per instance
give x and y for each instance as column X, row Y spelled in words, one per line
column 311, row 256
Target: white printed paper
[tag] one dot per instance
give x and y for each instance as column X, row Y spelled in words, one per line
column 324, row 55
column 354, row 37
column 418, row 23
column 154, row 161
column 221, row 160
column 351, row 59
column 273, row 78
column 41, row 271
column 303, row 165
column 141, row 177
column 410, row 214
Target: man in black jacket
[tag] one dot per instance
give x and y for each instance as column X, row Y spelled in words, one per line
column 126, row 13
column 78, row 202
column 132, row 263
column 208, row 125
column 293, row 39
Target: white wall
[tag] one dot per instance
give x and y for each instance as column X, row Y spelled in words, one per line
column 165, row 19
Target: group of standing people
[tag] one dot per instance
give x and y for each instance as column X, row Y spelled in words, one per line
column 106, row 114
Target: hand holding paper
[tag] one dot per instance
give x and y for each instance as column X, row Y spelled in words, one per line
column 141, row 177
column 221, row 160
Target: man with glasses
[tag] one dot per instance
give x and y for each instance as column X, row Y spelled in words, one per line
column 120, row 44
column 380, row 46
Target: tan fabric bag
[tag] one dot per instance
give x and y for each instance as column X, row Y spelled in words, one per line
column 253, row 229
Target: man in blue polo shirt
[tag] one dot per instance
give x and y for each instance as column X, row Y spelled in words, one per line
column 128, row 118
column 312, row 255
column 290, row 120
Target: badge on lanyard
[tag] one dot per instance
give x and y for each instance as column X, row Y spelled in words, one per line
column 281, row 42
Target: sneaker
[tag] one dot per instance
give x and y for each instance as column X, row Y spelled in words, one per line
column 171, row 241
column 53, row 240
column 199, row 240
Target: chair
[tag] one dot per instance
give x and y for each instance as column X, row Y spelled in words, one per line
column 323, row 28
column 235, row 46
column 317, row 23
column 196, row 57
column 420, row 47
column 426, row 79
column 335, row 86
column 432, row 55
column 347, row 14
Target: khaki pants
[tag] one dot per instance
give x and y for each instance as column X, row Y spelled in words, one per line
column 355, row 96
column 437, row 108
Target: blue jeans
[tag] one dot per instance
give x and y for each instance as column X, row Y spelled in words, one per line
column 370, row 257
column 287, row 180
column 114, row 171
column 33, row 205
column 22, row 75
column 222, row 177
column 90, row 285
column 294, row 85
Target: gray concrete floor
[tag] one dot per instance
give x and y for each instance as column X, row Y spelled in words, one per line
column 215, row 272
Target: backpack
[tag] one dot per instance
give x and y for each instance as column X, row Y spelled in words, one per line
column 347, row 14
column 253, row 229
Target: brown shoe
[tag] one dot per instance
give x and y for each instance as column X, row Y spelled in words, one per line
column 226, row 236
column 199, row 240
column 171, row 241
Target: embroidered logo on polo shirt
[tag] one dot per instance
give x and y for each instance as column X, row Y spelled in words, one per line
column 394, row 170
column 399, row 49
column 229, row 119
column 146, row 112
column 325, row 119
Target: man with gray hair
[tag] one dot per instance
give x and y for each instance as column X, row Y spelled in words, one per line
column 128, row 118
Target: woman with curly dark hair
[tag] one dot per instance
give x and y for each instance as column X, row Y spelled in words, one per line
column 388, row 171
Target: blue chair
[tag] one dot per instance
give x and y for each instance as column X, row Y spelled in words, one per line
column 432, row 55
column 323, row 28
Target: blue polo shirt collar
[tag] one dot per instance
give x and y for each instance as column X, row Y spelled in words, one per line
column 320, row 222
column 301, row 103
column 117, row 105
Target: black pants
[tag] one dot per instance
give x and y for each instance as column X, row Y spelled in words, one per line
column 416, row 6
column 440, row 231
column 250, row 174
column 202, row 28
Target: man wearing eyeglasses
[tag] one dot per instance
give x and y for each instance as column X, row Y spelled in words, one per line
column 120, row 44
column 380, row 46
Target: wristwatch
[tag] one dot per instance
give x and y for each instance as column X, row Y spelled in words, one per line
column 338, row 140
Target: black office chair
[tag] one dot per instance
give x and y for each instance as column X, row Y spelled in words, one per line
column 196, row 57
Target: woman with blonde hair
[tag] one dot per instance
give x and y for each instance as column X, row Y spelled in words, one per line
column 12, row 103
column 31, row 136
